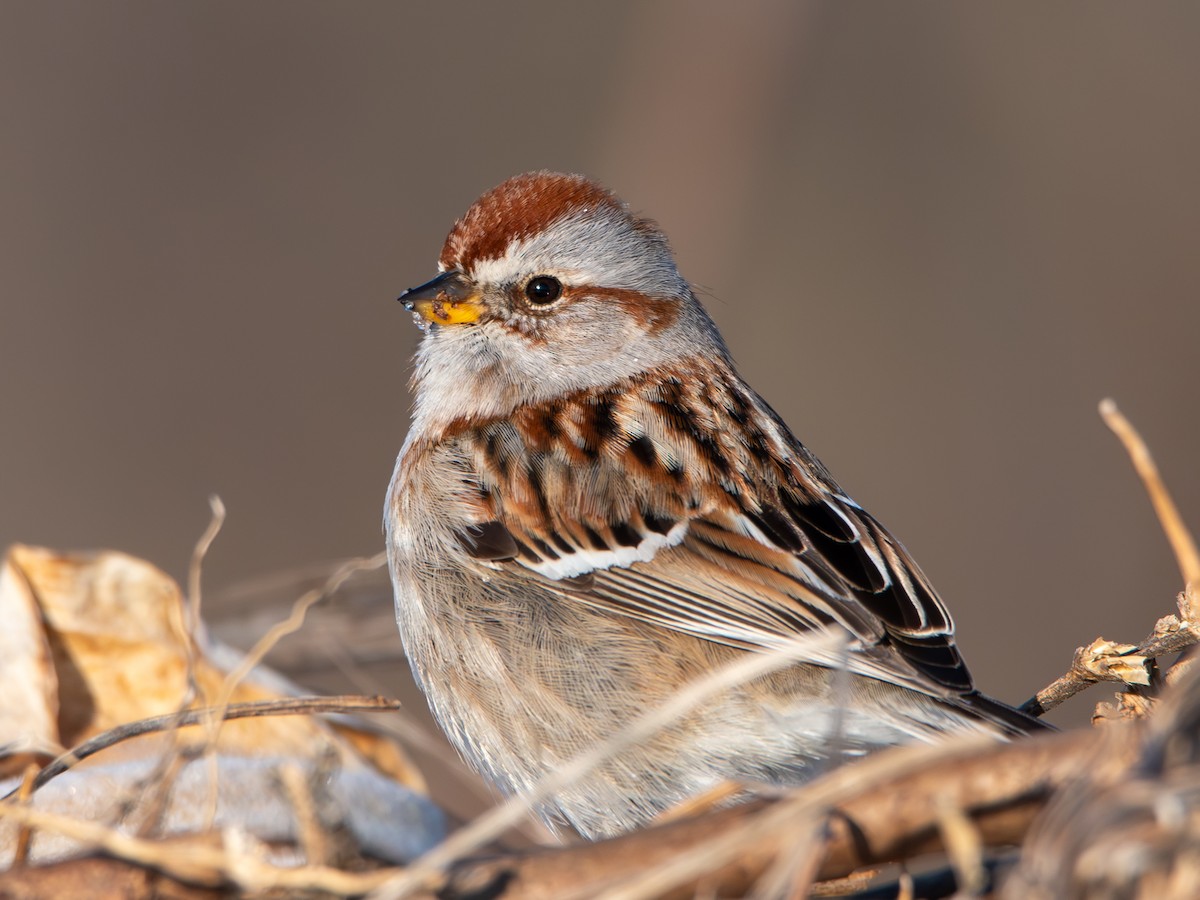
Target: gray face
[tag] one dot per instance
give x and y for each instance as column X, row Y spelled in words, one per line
column 622, row 309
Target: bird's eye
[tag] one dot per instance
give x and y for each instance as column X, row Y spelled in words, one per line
column 543, row 289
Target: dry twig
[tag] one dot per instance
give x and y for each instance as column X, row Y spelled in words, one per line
column 1108, row 661
column 489, row 826
column 25, row 833
column 276, row 633
column 185, row 621
column 1182, row 542
column 292, row 706
column 882, row 809
column 960, row 797
column 198, row 861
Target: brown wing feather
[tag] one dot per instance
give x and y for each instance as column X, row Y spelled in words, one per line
column 744, row 537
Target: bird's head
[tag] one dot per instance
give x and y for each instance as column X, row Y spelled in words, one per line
column 549, row 285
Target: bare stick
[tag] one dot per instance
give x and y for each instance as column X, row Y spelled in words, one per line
column 292, row 706
column 882, row 809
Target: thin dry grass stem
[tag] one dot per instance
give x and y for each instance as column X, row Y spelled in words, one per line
column 492, row 824
column 792, row 875
column 254, row 657
column 292, row 623
column 185, row 621
column 401, row 724
column 159, row 783
column 710, row 799
column 291, row 706
column 708, row 856
column 195, row 568
column 235, row 860
column 311, row 834
column 25, row 832
column 883, row 814
column 805, row 809
column 1182, row 543
column 964, row 846
column 840, row 685
column 1108, row 661
column 413, row 734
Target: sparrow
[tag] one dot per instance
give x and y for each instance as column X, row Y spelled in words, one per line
column 592, row 509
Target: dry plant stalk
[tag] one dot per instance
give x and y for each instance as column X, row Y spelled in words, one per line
column 25, row 834
column 979, row 813
column 258, row 652
column 1182, row 542
column 314, row 840
column 494, row 823
column 186, row 621
column 1108, row 661
column 179, row 630
column 1135, row 833
column 295, row 706
column 885, row 808
column 234, row 860
column 960, row 797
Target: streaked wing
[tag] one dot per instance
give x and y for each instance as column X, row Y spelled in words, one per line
column 734, row 587
column 704, row 515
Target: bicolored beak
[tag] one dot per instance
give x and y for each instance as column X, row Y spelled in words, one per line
column 448, row 299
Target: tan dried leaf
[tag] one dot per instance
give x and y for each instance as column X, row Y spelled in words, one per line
column 113, row 626
column 29, row 701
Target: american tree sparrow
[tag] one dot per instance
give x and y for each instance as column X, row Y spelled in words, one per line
column 593, row 509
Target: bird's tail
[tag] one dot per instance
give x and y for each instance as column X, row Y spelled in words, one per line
column 1011, row 720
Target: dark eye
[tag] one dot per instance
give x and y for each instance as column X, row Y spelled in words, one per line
column 543, row 289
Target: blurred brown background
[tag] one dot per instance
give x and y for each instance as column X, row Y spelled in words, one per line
column 935, row 235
